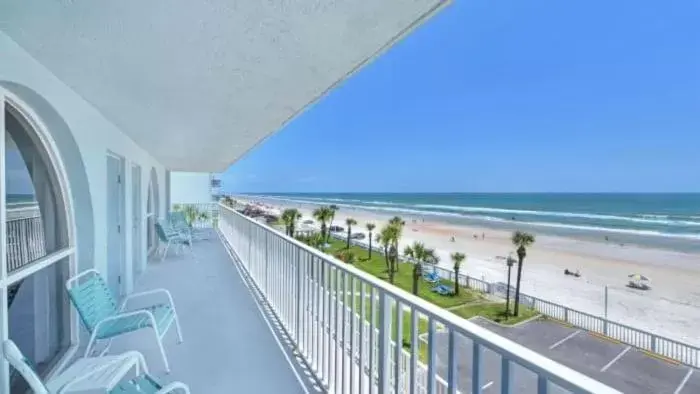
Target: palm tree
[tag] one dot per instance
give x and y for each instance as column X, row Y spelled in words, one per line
column 191, row 213
column 350, row 222
column 323, row 215
column 522, row 241
column 289, row 218
column 457, row 259
column 417, row 253
column 370, row 228
column 333, row 209
column 228, row 201
column 398, row 224
column 385, row 238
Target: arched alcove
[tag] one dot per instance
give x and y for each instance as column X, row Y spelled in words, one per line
column 41, row 240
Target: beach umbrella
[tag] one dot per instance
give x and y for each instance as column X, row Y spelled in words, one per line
column 639, row 277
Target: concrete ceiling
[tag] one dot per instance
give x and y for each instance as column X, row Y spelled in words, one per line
column 199, row 83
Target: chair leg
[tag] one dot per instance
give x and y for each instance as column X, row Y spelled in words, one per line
column 90, row 344
column 165, row 251
column 106, row 349
column 162, row 350
column 177, row 327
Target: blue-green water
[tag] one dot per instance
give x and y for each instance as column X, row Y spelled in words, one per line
column 659, row 220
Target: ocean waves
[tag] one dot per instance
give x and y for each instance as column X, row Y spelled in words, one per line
column 638, row 224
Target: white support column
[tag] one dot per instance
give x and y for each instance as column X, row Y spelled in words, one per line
column 4, row 327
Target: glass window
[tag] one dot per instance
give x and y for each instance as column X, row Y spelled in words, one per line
column 34, row 226
column 38, row 308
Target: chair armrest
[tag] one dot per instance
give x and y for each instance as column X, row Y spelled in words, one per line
column 121, row 315
column 147, row 293
column 174, row 386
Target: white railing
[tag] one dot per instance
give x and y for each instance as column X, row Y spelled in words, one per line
column 670, row 348
column 206, row 214
column 344, row 323
column 25, row 237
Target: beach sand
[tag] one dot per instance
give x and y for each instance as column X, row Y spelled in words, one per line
column 671, row 308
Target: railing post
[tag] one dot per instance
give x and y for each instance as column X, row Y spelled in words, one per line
column 506, row 376
column 384, row 344
column 432, row 356
column 451, row 364
column 266, row 281
column 250, row 242
column 476, row 368
column 299, row 298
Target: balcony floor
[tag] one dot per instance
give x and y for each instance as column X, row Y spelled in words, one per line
column 229, row 344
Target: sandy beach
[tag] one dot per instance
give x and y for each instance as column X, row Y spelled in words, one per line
column 671, row 308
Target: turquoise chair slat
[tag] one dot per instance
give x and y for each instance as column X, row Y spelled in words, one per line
column 162, row 313
column 143, row 384
column 93, row 301
column 162, row 235
column 167, row 234
column 178, row 219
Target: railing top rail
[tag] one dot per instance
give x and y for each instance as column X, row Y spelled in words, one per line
column 559, row 374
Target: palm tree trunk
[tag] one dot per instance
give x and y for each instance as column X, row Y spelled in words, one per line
column 370, row 245
column 457, row 282
column 328, row 236
column 386, row 258
column 517, row 287
column 416, row 277
column 349, row 229
column 396, row 256
column 508, row 292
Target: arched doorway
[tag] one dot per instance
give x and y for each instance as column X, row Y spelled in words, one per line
column 39, row 247
column 152, row 209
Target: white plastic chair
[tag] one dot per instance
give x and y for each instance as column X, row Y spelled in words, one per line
column 108, row 374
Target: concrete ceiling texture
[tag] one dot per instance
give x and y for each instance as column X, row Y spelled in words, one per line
column 199, row 83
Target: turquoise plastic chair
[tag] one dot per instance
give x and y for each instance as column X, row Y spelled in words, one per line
column 442, row 290
column 178, row 222
column 90, row 374
column 103, row 319
column 169, row 236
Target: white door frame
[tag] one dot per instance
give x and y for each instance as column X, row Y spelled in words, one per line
column 122, row 279
column 137, row 223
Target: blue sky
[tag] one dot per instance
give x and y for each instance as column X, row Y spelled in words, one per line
column 506, row 96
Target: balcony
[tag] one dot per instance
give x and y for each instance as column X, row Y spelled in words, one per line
column 229, row 343
column 263, row 313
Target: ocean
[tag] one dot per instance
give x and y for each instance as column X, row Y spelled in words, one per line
column 668, row 221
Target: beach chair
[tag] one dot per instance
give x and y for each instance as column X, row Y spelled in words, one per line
column 170, row 236
column 431, row 277
column 442, row 290
column 102, row 318
column 96, row 374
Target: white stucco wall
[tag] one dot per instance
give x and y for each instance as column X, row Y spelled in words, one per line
column 190, row 187
column 93, row 136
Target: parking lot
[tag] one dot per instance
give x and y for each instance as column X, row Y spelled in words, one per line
column 617, row 365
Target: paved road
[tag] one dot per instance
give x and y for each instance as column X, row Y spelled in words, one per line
column 617, row 365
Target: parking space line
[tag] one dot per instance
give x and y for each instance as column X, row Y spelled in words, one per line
column 684, row 381
column 487, row 385
column 573, row 334
column 619, row 356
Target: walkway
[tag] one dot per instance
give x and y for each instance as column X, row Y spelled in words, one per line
column 229, row 345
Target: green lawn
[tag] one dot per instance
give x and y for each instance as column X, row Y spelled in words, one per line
column 467, row 304
column 494, row 311
column 404, row 277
